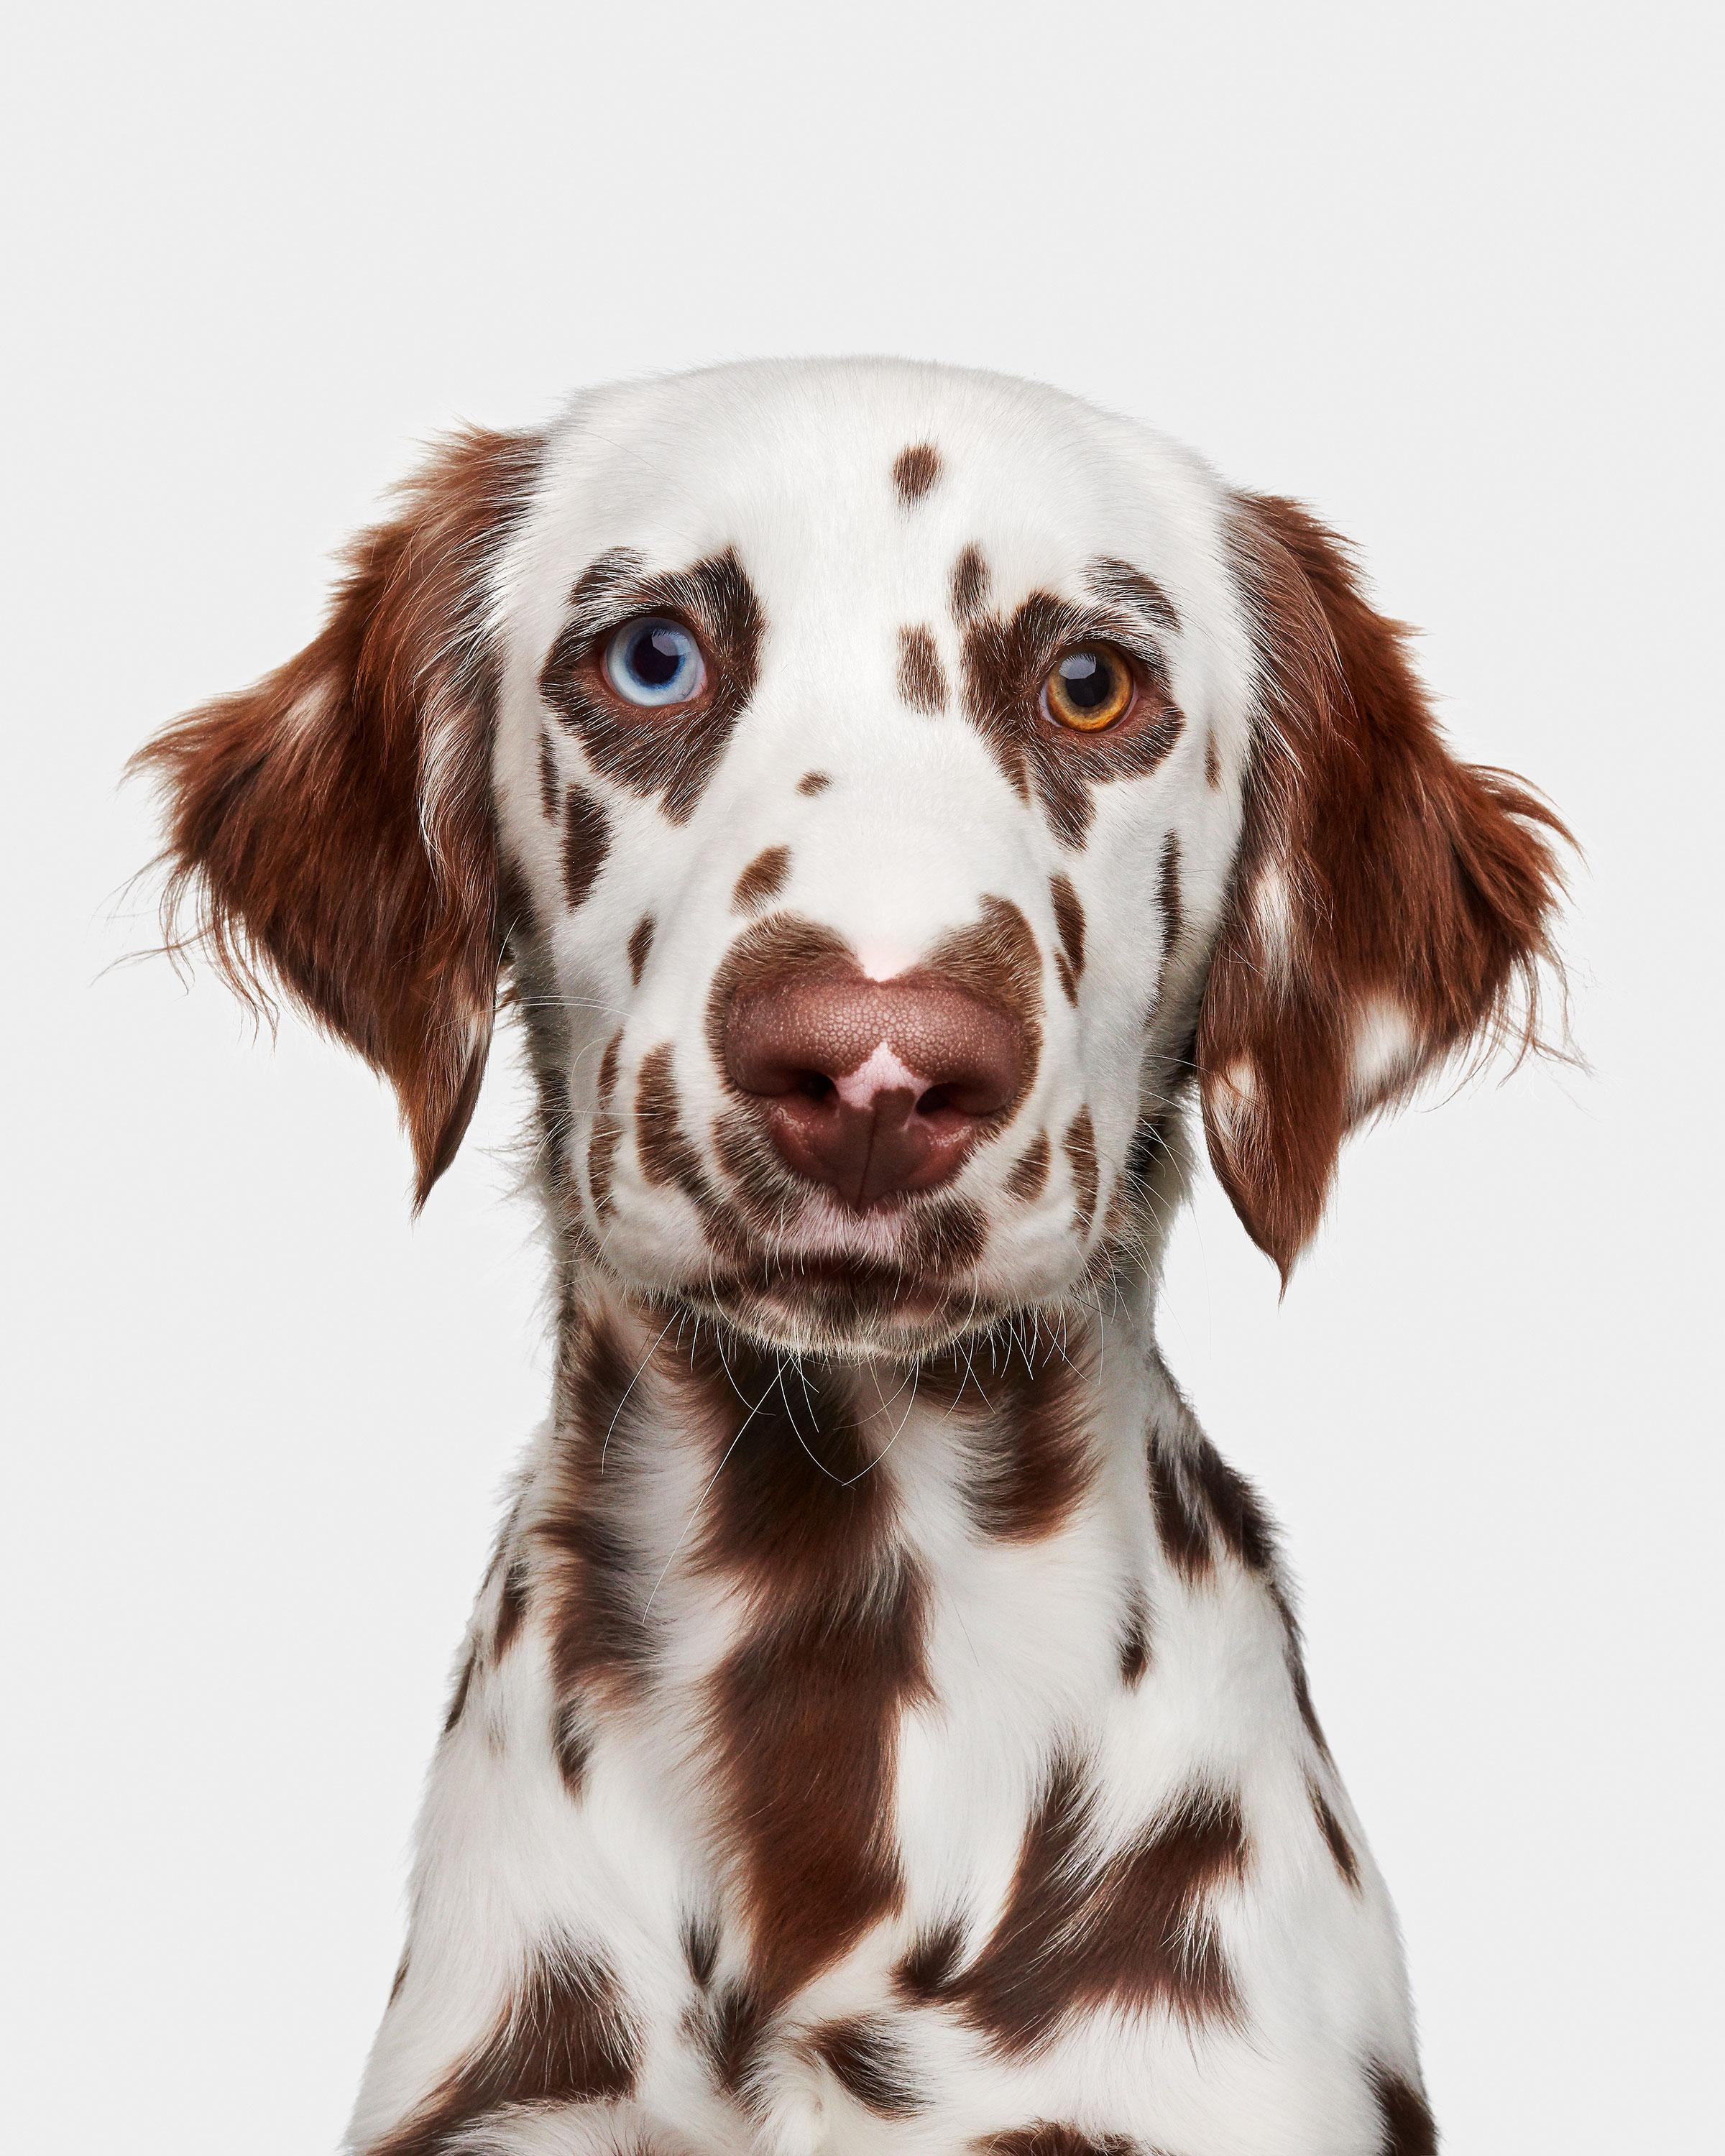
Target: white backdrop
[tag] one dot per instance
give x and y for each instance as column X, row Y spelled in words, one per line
column 1448, row 273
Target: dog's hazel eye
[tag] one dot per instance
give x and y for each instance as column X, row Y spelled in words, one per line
column 1089, row 688
column 654, row 661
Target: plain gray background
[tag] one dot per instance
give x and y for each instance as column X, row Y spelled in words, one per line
column 1450, row 275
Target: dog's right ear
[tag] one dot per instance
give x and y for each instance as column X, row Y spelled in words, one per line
column 330, row 831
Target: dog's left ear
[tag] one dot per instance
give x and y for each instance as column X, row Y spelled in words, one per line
column 1391, row 906
column 330, row 831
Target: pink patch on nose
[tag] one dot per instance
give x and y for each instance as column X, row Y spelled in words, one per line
column 882, row 1073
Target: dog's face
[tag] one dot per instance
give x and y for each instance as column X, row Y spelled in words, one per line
column 888, row 788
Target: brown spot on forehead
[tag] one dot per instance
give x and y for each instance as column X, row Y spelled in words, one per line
column 586, row 840
column 813, row 782
column 654, row 752
column 640, row 944
column 914, row 471
column 921, row 682
column 970, row 585
column 763, row 878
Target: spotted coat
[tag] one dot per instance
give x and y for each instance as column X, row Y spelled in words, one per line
column 883, row 1725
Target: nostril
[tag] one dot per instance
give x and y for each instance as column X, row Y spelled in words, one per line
column 814, row 1086
column 934, row 1099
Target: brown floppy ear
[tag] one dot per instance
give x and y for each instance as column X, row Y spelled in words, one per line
column 330, row 830
column 1391, row 906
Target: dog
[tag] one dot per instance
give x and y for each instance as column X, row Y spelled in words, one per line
column 898, row 803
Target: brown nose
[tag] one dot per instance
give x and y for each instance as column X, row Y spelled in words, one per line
column 873, row 1086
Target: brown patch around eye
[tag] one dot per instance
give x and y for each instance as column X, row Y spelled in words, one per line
column 669, row 753
column 1080, row 1149
column 586, row 840
column 1006, row 662
column 813, row 782
column 1069, row 921
column 970, row 584
column 1029, row 1172
column 763, row 878
column 1120, row 584
column 921, row 681
column 640, row 944
column 914, row 471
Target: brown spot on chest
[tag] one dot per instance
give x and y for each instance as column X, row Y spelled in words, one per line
column 915, row 471
column 922, row 683
column 1133, row 1926
column 1031, row 1447
column 871, row 2062
column 565, row 2036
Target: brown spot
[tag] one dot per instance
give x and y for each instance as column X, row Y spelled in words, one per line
column 1179, row 1524
column 1135, row 1640
column 804, row 1710
column 1133, row 1928
column 1081, row 1150
column 1069, row 922
column 566, row 2037
column 970, row 584
column 1029, row 1172
column 607, row 1128
column 922, row 683
column 762, row 879
column 1006, row 661
column 644, row 750
column 399, row 1980
column 305, row 846
column 868, row 2059
column 1212, row 761
column 596, row 1586
column 1171, row 907
column 1411, row 879
column 929, row 1966
column 998, row 960
column 1331, row 1828
column 731, row 2031
column 550, row 785
column 1407, row 2122
column 813, row 782
column 701, row 1949
column 1048, row 2136
column 640, row 944
column 914, row 471
column 666, row 1155
column 464, row 1684
column 512, row 1609
column 1118, row 583
column 1032, row 1446
column 586, row 840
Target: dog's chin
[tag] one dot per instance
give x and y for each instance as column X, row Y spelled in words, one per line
column 853, row 1311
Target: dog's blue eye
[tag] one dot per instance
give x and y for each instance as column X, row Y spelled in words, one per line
column 654, row 660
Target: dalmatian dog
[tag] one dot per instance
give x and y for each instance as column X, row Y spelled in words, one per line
column 898, row 803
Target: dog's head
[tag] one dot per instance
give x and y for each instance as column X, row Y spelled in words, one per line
column 888, row 788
